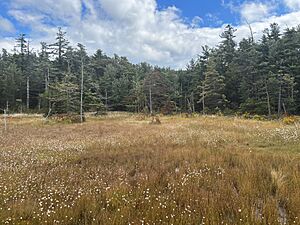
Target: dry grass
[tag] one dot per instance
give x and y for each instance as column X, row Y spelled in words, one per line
column 119, row 169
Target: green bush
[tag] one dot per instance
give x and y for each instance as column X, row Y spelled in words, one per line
column 258, row 117
column 246, row 115
column 288, row 120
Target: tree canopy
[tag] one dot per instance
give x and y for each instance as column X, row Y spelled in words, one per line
column 259, row 77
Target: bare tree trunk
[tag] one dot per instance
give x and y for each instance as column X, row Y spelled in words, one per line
column 68, row 101
column 81, row 93
column 28, row 55
column 251, row 31
column 279, row 100
column 283, row 106
column 106, row 106
column 268, row 101
column 47, row 79
column 292, row 92
column 27, row 102
column 189, row 106
column 5, row 122
column 49, row 112
column 69, row 68
column 193, row 102
column 181, row 96
column 203, row 101
column 39, row 104
column 185, row 103
column 46, row 82
column 150, row 100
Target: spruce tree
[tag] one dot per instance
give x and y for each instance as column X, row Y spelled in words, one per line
column 213, row 93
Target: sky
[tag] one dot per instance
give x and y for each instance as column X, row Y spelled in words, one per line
column 166, row 33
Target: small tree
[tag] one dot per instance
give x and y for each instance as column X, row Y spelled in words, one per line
column 64, row 96
column 157, row 91
column 212, row 90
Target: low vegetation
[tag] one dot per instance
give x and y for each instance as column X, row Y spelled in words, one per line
column 120, row 169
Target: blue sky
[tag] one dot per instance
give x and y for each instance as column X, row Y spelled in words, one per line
column 192, row 8
column 162, row 32
column 214, row 12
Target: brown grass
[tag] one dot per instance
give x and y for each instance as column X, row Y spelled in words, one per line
column 119, row 169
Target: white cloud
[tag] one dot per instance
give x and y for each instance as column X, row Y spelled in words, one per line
column 213, row 19
column 284, row 21
column 197, row 20
column 130, row 11
column 6, row 25
column 293, row 4
column 132, row 28
column 255, row 11
column 62, row 10
column 7, row 43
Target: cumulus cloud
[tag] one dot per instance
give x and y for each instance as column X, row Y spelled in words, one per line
column 255, row 11
column 133, row 28
column 62, row 10
column 284, row 21
column 197, row 20
column 7, row 43
column 293, row 4
column 6, row 25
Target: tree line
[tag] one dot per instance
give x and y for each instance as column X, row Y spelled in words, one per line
column 251, row 76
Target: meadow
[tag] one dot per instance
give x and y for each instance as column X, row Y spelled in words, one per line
column 119, row 169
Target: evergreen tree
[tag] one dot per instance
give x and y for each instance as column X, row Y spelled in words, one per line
column 64, row 96
column 224, row 59
column 213, row 89
column 59, row 50
column 257, row 77
column 157, row 91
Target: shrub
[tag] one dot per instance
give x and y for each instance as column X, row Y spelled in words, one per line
column 168, row 108
column 101, row 113
column 67, row 118
column 219, row 113
column 246, row 115
column 258, row 117
column 288, row 120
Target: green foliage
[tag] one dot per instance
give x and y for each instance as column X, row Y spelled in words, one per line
column 258, row 117
column 213, row 89
column 64, row 95
column 260, row 77
column 246, row 115
column 157, row 91
column 288, row 120
column 254, row 107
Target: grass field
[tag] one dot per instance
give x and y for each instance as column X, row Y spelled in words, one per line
column 119, row 169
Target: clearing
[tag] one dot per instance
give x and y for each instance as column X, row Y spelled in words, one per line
column 119, row 169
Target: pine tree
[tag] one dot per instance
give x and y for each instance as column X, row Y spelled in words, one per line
column 44, row 69
column 258, row 77
column 157, row 91
column 64, row 96
column 21, row 44
column 59, row 50
column 213, row 89
column 225, row 57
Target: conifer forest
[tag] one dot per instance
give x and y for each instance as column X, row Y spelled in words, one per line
column 259, row 77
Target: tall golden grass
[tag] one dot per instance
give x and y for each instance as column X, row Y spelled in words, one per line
column 119, row 169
